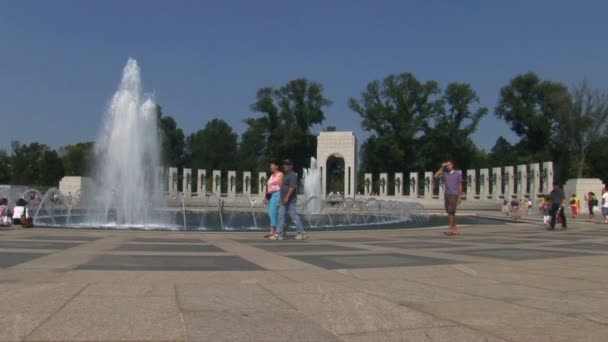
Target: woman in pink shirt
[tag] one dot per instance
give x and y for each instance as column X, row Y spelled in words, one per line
column 273, row 196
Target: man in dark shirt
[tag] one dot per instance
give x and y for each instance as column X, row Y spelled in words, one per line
column 558, row 199
column 453, row 192
column 289, row 198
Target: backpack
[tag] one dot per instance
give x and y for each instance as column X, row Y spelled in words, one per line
column 595, row 202
column 573, row 201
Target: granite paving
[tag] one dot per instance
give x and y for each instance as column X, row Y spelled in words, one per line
column 494, row 282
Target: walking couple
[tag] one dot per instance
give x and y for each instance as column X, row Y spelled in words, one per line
column 281, row 198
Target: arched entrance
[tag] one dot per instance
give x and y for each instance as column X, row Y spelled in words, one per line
column 338, row 145
column 335, row 175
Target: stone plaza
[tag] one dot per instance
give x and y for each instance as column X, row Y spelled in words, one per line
column 498, row 281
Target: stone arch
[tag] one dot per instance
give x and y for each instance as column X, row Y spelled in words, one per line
column 342, row 145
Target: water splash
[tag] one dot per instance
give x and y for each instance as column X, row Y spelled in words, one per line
column 127, row 155
column 312, row 188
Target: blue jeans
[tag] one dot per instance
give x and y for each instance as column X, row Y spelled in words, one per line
column 273, row 208
column 289, row 209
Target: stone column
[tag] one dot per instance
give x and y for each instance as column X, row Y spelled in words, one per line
column 496, row 180
column 508, row 179
column 581, row 187
column 522, row 180
column 231, row 183
column 202, row 183
column 350, row 180
column 368, row 184
column 471, row 188
column 547, row 174
column 217, row 183
column 161, row 179
column 484, row 181
column 187, row 182
column 428, row 185
column 263, row 182
column 534, row 177
column 398, row 184
column 172, row 181
column 413, row 184
column 247, row 183
column 383, row 184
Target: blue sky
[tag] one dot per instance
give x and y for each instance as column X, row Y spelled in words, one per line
column 60, row 61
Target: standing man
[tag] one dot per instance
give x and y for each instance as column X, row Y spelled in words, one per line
column 288, row 203
column 558, row 200
column 453, row 193
column 605, row 205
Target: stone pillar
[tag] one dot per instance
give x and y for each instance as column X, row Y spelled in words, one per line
column 508, row 178
column 496, row 180
column 217, row 183
column 428, row 185
column 247, row 183
column 471, row 188
column 368, row 184
column 398, row 184
column 534, row 177
column 172, row 181
column 522, row 181
column 413, row 184
column 202, row 183
column 187, row 182
column 547, row 175
column 582, row 186
column 263, row 181
column 383, row 184
column 484, row 181
column 350, row 179
column 231, row 183
column 161, row 179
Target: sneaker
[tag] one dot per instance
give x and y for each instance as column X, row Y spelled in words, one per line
column 276, row 237
column 301, row 237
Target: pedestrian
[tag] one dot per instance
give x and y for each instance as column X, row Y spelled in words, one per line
column 453, row 193
column 529, row 205
column 592, row 202
column 558, row 200
column 605, row 205
column 20, row 211
column 575, row 204
column 273, row 196
column 4, row 219
column 545, row 208
column 288, row 203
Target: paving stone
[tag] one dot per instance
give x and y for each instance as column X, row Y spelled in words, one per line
column 25, row 306
column 267, row 326
column 8, row 259
column 183, row 248
column 113, row 318
column 557, row 236
column 515, row 322
column 304, row 248
column 246, row 298
column 166, row 240
column 169, row 263
column 443, row 334
column 369, row 260
column 565, row 303
column 417, row 244
column 361, row 239
column 38, row 245
column 62, row 237
column 504, row 241
column 516, row 253
column 345, row 311
column 584, row 245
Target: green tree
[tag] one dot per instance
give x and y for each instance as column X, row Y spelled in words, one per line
column 51, row 169
column 35, row 164
column 532, row 107
column 288, row 114
column 503, row 153
column 396, row 111
column 173, row 141
column 450, row 137
column 5, row 167
column 213, row 147
column 584, row 123
column 77, row 158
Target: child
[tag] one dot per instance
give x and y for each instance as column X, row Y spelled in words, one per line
column 545, row 206
column 575, row 204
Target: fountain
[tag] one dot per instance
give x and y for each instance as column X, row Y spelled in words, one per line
column 312, row 188
column 126, row 192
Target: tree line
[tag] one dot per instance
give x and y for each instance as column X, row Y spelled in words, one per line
column 413, row 125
